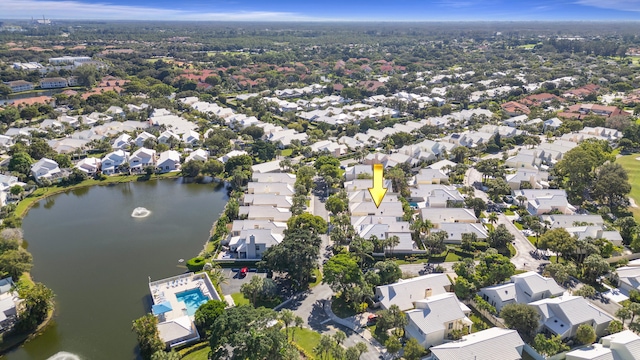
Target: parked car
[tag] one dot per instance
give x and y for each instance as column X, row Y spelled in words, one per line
column 243, row 272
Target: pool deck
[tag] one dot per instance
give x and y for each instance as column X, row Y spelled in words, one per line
column 166, row 290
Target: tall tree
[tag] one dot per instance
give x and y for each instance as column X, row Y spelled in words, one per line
column 559, row 241
column 611, row 186
column 521, row 317
column 297, row 255
column 586, row 334
column 146, row 329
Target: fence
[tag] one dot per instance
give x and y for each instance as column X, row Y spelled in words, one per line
column 494, row 320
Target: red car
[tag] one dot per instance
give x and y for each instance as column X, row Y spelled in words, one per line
column 244, row 271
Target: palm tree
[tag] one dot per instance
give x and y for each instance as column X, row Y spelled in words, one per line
column 324, row 346
column 298, row 321
column 392, row 242
column 493, row 218
column 287, row 317
column 521, row 199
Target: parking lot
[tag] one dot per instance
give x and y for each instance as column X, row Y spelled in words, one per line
column 235, row 281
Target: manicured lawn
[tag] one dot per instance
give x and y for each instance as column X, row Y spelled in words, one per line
column 287, row 152
column 532, row 240
column 318, row 275
column 452, row 257
column 307, row 339
column 518, row 225
column 239, row 299
column 340, row 308
column 632, row 166
column 509, row 212
column 202, row 352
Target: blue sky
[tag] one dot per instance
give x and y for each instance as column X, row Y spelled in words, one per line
column 305, row 10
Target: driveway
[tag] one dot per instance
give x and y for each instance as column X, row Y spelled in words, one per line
column 523, row 259
column 235, row 282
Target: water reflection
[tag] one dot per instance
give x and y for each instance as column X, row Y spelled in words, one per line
column 80, row 192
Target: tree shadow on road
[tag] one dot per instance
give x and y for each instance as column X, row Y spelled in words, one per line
column 317, row 317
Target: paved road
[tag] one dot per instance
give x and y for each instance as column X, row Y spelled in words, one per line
column 523, row 259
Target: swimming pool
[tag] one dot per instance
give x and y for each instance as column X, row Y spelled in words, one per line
column 192, row 299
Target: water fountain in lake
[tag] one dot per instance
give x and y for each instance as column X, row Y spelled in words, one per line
column 140, row 212
column 62, row 355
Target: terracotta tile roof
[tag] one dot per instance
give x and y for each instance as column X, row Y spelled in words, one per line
column 513, row 107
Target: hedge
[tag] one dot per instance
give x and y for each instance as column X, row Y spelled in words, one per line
column 196, row 263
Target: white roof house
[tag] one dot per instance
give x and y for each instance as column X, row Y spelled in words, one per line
column 431, row 176
column 565, row 221
column 436, row 195
column 142, row 158
column 166, row 136
column 266, row 167
column 438, row 216
column 433, row 319
column 562, row 315
column 191, row 137
column 490, row 344
column 624, row 345
column 537, row 179
column 628, row 278
column 274, row 227
column 168, row 161
column 142, row 137
column 270, row 188
column 271, row 213
column 230, row 154
column 455, row 231
column 274, row 177
column 198, row 155
column 524, row 288
column 112, row 160
column 406, row 291
column 280, row 201
column 122, row 142
column 89, row 165
column 251, row 244
column 45, row 169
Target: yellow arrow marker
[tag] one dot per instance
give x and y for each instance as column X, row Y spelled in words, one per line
column 377, row 191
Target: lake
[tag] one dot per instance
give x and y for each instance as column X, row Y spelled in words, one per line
column 98, row 259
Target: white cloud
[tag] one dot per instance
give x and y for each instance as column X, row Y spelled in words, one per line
column 623, row 5
column 76, row 10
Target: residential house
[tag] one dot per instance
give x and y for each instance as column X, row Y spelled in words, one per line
column 434, row 318
column 53, row 83
column 565, row 221
column 112, row 161
column 431, row 176
column 276, row 188
column 624, row 345
column 230, row 154
column 552, row 124
column 249, row 224
column 274, row 178
column 198, row 155
column 542, row 201
column 562, row 315
column 585, row 109
column 384, row 227
column 524, row 159
column 168, row 161
column 251, row 244
column 438, row 216
column 89, row 165
column 270, row 213
column 436, row 195
column 595, row 232
column 352, row 173
column 9, row 301
column 406, row 291
column 53, row 125
column 266, row 167
column 386, row 208
column 523, row 289
column 535, row 178
column 491, row 344
column 513, row 108
column 455, row 231
column 45, row 169
column 142, row 137
column 142, row 158
column 279, row 201
column 628, row 278
column 115, row 111
column 122, row 142
column 191, row 137
column 167, row 136
column 19, row 86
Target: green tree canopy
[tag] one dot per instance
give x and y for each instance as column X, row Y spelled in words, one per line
column 521, row 317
